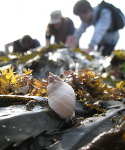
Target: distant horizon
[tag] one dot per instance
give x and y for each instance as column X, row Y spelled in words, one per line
column 21, row 17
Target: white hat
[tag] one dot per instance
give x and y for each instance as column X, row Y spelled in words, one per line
column 56, row 17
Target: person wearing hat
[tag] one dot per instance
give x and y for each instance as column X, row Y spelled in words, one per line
column 22, row 45
column 60, row 27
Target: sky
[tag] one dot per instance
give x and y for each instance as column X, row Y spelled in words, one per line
column 21, row 17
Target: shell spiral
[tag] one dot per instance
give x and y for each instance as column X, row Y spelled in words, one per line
column 61, row 96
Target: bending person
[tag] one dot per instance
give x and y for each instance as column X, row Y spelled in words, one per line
column 22, row 45
column 60, row 27
column 102, row 37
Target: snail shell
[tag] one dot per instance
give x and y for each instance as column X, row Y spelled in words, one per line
column 61, row 96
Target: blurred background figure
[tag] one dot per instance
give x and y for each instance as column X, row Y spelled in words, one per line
column 60, row 27
column 22, row 45
column 104, row 36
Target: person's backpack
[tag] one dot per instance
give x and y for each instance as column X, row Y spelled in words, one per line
column 118, row 18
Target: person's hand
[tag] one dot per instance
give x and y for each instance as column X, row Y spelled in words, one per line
column 90, row 49
column 71, row 41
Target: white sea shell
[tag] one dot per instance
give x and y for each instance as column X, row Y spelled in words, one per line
column 61, row 97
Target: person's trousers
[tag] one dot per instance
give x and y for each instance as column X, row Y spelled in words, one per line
column 106, row 49
column 108, row 43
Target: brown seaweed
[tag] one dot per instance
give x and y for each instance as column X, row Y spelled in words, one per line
column 89, row 86
column 113, row 139
column 99, row 107
column 77, row 136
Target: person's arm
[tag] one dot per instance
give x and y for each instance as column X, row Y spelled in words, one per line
column 101, row 27
column 37, row 43
column 73, row 40
column 48, row 35
column 47, row 42
column 90, row 49
column 70, row 32
column 7, row 47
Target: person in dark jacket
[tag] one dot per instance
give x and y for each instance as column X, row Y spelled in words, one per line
column 60, row 27
column 22, row 45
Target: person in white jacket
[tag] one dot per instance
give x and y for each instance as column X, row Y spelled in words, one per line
column 102, row 36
